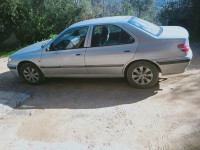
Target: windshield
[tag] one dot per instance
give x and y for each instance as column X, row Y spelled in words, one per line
column 145, row 25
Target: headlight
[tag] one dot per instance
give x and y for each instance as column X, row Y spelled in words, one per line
column 9, row 59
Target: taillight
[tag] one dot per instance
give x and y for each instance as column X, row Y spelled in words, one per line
column 184, row 47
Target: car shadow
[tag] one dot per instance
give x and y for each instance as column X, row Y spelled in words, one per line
column 76, row 93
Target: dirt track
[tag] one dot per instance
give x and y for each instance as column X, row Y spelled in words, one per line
column 98, row 114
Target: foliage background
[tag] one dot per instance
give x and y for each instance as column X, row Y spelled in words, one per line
column 35, row 20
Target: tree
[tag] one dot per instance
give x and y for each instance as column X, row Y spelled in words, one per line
column 142, row 7
column 196, row 17
column 34, row 20
column 184, row 13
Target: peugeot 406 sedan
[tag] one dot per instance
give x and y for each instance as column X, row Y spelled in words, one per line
column 122, row 46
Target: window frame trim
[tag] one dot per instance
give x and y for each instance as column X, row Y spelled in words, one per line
column 91, row 34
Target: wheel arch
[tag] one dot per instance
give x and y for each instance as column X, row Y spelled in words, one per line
column 143, row 60
column 23, row 62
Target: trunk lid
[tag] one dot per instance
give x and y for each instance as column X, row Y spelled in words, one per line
column 174, row 32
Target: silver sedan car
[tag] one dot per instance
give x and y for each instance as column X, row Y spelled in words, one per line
column 121, row 46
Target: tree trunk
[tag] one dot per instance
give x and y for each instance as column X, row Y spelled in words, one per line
column 139, row 12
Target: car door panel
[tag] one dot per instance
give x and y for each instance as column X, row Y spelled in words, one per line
column 61, row 63
column 67, row 54
column 109, row 59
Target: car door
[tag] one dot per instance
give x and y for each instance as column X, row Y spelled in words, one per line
column 111, row 47
column 66, row 54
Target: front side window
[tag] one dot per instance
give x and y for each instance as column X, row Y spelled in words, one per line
column 108, row 35
column 71, row 39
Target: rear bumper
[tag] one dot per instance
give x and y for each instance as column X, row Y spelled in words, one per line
column 174, row 66
column 169, row 62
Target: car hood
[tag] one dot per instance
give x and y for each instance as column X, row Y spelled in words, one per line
column 174, row 32
column 31, row 48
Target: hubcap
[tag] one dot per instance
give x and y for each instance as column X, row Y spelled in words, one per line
column 31, row 74
column 142, row 75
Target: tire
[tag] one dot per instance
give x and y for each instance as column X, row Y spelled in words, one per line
column 142, row 75
column 31, row 74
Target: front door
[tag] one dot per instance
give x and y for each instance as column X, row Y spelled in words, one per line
column 66, row 54
column 111, row 48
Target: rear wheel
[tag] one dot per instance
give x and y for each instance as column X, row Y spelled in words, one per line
column 142, row 74
column 31, row 73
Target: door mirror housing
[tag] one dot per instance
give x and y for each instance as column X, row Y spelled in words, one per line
column 47, row 49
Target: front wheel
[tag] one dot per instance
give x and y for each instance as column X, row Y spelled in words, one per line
column 142, row 74
column 31, row 73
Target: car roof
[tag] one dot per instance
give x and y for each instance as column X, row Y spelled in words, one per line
column 104, row 20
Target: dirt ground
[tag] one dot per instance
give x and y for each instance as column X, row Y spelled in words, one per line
column 101, row 114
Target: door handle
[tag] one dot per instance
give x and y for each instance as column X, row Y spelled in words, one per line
column 126, row 51
column 78, row 54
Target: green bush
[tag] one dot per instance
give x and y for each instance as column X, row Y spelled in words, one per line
column 35, row 20
column 7, row 52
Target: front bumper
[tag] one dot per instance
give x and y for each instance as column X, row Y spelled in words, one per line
column 13, row 69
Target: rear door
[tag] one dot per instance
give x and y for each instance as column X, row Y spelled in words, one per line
column 110, row 48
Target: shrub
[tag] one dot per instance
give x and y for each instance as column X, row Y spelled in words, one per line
column 34, row 20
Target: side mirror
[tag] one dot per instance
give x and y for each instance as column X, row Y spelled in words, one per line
column 47, row 49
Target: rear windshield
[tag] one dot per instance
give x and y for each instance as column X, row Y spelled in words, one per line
column 145, row 25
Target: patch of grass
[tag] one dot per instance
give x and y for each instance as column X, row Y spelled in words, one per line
column 9, row 51
column 6, row 54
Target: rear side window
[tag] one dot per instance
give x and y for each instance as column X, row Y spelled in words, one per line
column 108, row 35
